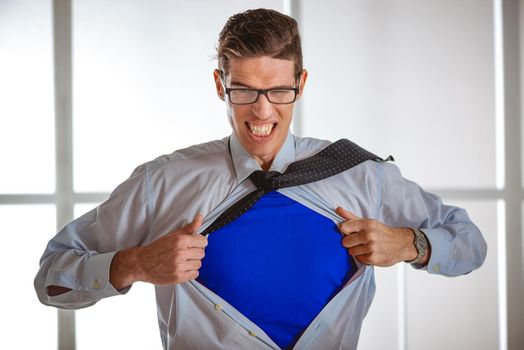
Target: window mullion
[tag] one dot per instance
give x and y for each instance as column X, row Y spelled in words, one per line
column 63, row 83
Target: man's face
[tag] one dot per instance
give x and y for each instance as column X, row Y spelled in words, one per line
column 261, row 127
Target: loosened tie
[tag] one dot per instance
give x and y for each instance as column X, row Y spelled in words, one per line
column 334, row 159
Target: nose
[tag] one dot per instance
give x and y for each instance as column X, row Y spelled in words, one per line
column 262, row 109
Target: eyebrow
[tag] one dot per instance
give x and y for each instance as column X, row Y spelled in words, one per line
column 239, row 84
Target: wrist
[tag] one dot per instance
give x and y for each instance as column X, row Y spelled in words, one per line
column 123, row 271
column 410, row 252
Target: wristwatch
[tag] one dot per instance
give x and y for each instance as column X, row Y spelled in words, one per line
column 421, row 245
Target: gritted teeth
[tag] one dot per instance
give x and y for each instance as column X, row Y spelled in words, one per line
column 261, row 130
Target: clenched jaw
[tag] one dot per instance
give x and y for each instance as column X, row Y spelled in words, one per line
column 261, row 130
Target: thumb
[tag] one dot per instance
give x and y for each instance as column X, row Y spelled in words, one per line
column 193, row 226
column 346, row 214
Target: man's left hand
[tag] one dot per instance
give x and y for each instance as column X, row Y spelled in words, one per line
column 374, row 243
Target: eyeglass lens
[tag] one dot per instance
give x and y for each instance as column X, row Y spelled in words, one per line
column 250, row 96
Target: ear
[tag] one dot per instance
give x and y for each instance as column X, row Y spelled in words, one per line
column 218, row 83
column 303, row 78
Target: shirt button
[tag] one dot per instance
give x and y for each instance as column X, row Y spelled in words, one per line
column 96, row 284
column 436, row 268
column 253, row 334
column 218, row 307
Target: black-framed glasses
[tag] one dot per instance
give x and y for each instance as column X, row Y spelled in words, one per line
column 245, row 96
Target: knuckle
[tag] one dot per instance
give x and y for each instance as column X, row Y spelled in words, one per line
column 373, row 235
column 370, row 223
column 196, row 240
column 178, row 269
column 367, row 236
column 180, row 256
column 174, row 261
column 178, row 266
column 185, row 239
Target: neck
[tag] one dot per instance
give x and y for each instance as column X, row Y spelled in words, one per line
column 265, row 164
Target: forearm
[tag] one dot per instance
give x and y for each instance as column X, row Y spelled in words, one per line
column 75, row 267
column 125, row 267
column 456, row 243
column 409, row 253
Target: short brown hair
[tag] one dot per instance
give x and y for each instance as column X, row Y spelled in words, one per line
column 259, row 32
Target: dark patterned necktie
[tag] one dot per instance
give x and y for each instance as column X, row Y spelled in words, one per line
column 334, row 159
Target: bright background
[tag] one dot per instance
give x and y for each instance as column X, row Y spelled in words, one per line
column 421, row 80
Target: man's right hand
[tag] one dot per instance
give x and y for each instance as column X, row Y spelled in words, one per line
column 171, row 259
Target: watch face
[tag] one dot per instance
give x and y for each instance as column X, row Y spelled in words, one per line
column 421, row 245
column 420, row 242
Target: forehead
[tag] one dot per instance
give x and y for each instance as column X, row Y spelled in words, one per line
column 261, row 71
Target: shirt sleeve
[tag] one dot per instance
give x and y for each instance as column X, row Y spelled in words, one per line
column 80, row 255
column 457, row 245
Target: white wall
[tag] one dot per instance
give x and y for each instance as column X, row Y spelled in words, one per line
column 395, row 74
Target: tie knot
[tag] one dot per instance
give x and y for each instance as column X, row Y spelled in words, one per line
column 264, row 179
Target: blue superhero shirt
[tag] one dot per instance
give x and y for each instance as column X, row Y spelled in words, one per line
column 278, row 264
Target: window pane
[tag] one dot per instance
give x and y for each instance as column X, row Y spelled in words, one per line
column 441, row 312
column 458, row 313
column 26, row 94
column 383, row 314
column 414, row 79
column 143, row 82
column 27, row 229
column 121, row 322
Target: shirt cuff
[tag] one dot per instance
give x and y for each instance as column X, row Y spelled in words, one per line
column 440, row 245
column 93, row 285
column 96, row 276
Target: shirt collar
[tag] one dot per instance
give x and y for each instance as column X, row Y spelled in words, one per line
column 245, row 164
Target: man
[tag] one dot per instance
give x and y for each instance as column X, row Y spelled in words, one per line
column 280, row 274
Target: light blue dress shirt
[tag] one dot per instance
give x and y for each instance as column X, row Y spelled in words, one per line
column 168, row 192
